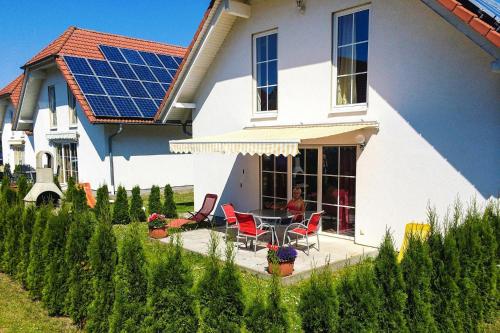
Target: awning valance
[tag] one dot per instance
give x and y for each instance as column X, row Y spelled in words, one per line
column 278, row 140
column 70, row 136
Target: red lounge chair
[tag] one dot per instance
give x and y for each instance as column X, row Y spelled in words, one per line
column 230, row 217
column 304, row 230
column 248, row 228
column 200, row 216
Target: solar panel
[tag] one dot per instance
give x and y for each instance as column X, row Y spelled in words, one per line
column 89, row 84
column 162, row 75
column 135, row 88
column 166, row 86
column 147, row 106
column 101, row 68
column 126, row 107
column 168, row 61
column 78, row 65
column 133, row 57
column 158, row 102
column 151, row 59
column 113, row 87
column 154, row 89
column 112, row 53
column 143, row 73
column 178, row 60
column 101, row 106
column 123, row 70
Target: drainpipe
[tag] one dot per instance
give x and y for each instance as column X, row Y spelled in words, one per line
column 110, row 149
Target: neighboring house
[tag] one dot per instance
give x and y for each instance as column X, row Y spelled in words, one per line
column 375, row 109
column 90, row 98
column 17, row 146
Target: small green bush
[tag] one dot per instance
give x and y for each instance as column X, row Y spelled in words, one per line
column 169, row 209
column 154, row 203
column 13, row 228
column 71, row 187
column 22, row 188
column 28, row 222
column 79, row 199
column 102, row 207
column 256, row 320
column 120, row 209
column 137, row 213
column 37, row 262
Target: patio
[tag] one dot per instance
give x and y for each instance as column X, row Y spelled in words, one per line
column 339, row 252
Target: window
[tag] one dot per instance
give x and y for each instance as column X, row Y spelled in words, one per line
column 67, row 161
column 266, row 71
column 73, row 121
column 351, row 56
column 18, row 155
column 274, row 181
column 305, row 176
column 52, row 106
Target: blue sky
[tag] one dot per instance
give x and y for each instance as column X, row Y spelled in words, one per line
column 27, row 26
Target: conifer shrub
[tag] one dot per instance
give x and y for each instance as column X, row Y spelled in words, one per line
column 3, row 226
column 28, row 221
column 129, row 308
column 102, row 207
column 169, row 209
column 171, row 304
column 276, row 313
column 417, row 269
column 154, row 203
column 76, row 257
column 103, row 258
column 13, row 228
column 22, row 188
column 71, row 187
column 137, row 213
column 319, row 304
column 256, row 319
column 37, row 261
column 79, row 199
column 56, row 272
column 120, row 209
column 359, row 300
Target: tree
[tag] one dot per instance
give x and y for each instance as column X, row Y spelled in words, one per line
column 256, row 320
column 13, row 229
column 37, row 261
column 28, row 221
column 102, row 255
column 56, row 273
column 169, row 209
column 359, row 300
column 102, row 208
column 154, row 204
column 390, row 281
column 319, row 304
column 120, row 209
column 137, row 213
column 129, row 308
column 76, row 257
column 171, row 304
column 417, row 269
column 79, row 199
column 22, row 188
column 70, row 189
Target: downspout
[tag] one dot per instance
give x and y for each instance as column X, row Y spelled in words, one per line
column 110, row 150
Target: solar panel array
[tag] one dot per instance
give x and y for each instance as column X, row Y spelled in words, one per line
column 128, row 84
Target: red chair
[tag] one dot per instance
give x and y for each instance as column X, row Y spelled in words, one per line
column 304, row 230
column 200, row 216
column 231, row 221
column 248, row 228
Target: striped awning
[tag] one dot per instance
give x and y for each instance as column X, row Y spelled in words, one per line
column 70, row 136
column 278, row 140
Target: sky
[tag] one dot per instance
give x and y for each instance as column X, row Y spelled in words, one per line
column 27, row 26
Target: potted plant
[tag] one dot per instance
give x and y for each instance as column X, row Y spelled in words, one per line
column 157, row 226
column 280, row 260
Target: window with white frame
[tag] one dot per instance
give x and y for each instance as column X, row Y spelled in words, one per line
column 73, row 121
column 52, row 106
column 67, row 161
column 266, row 71
column 18, row 155
column 351, row 56
column 274, row 181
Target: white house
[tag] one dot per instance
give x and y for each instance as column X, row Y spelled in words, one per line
column 17, row 146
column 93, row 113
column 376, row 109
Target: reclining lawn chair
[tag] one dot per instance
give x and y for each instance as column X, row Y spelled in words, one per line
column 203, row 215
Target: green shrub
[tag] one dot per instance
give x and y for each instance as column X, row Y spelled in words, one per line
column 56, row 273
column 390, row 281
column 487, row 283
column 22, row 188
column 13, row 228
column 137, row 213
column 3, row 226
column 77, row 261
column 28, row 221
column 169, row 209
column 71, row 187
column 256, row 320
column 102, row 207
column 37, row 263
column 417, row 269
column 120, row 209
column 129, row 308
column 79, row 199
column 154, row 203
column 171, row 304
column 359, row 300
column 102, row 255
column 319, row 304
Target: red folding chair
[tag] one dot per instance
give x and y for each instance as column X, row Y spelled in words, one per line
column 248, row 228
column 304, row 230
column 229, row 216
column 200, row 216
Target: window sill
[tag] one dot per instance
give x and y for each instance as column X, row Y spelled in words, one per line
column 264, row 115
column 73, row 126
column 53, row 128
column 349, row 109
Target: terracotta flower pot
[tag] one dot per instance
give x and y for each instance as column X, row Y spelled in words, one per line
column 282, row 268
column 158, row 233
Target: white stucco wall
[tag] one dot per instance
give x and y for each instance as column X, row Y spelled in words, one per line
column 430, row 88
column 8, row 134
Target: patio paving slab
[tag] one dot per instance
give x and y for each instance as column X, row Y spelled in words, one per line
column 335, row 252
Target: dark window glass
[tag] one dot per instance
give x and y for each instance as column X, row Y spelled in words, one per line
column 347, row 161
column 281, row 163
column 268, row 184
column 262, row 99
column 311, row 188
column 261, row 74
column 267, row 163
column 359, row 89
column 272, row 98
column 330, row 189
column 311, row 161
column 344, row 30
column 329, row 218
column 361, row 58
column 272, row 47
column 281, row 185
column 266, row 72
column 347, row 191
column 261, row 46
column 361, row 25
column 330, row 160
column 272, row 78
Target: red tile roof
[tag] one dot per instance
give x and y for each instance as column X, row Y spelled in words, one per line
column 85, row 43
column 13, row 90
